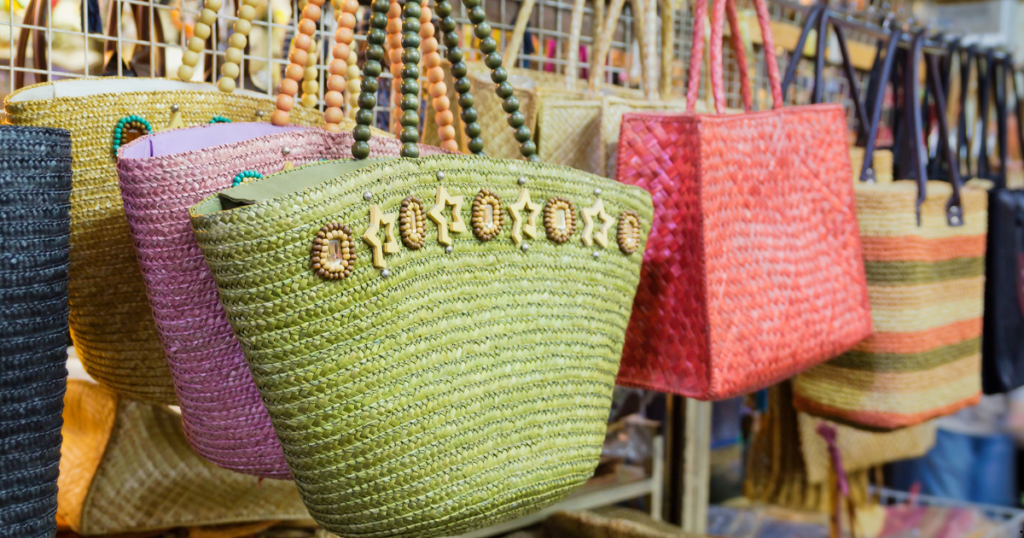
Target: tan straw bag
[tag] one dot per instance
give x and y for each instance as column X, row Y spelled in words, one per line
column 111, row 322
column 126, row 467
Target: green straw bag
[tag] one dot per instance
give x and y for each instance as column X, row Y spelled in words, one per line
column 436, row 340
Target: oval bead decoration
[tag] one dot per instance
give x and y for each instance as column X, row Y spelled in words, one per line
column 487, row 217
column 219, row 119
column 129, row 128
column 245, row 175
column 629, row 232
column 334, row 254
column 412, row 223
column 559, row 219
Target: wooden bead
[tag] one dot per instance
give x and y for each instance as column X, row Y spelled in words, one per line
column 289, row 86
column 307, row 26
column 341, row 51
column 350, row 6
column 247, row 12
column 294, row 71
column 447, row 132
column 435, row 75
column 426, row 29
column 444, row 117
column 432, row 60
column 352, row 85
column 335, row 83
column 312, row 12
column 438, row 89
column 395, row 10
column 229, row 70
column 395, row 58
column 334, row 99
column 196, row 45
column 353, row 72
column 251, row 3
column 242, row 26
column 347, row 20
column 300, row 57
column 334, row 115
column 208, row 17
column 285, row 102
column 303, row 41
column 441, row 103
column 337, row 67
column 279, row 118
column 450, row 144
column 226, row 85
column 237, row 40
column 185, row 72
column 310, row 73
column 233, row 55
column 333, row 127
column 344, row 35
column 309, row 100
column 189, row 58
column 213, row 5
column 201, row 31
column 317, row 3
column 311, row 86
column 428, row 45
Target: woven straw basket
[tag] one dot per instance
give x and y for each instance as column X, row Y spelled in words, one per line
column 926, row 285
column 444, row 391
column 126, row 467
column 111, row 322
column 161, row 175
column 35, row 191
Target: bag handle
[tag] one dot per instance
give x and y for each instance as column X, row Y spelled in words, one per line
column 819, row 17
column 648, row 42
column 230, row 69
column 885, row 69
column 412, row 11
column 963, row 133
column 111, row 54
column 717, row 89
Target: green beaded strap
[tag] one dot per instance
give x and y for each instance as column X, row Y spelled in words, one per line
column 410, row 78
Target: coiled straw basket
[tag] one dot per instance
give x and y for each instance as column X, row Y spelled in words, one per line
column 35, row 192
column 111, row 322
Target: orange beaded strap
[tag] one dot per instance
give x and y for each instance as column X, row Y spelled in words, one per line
column 230, row 69
column 394, row 54
column 303, row 67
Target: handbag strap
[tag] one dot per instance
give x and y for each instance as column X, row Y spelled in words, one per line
column 412, row 11
column 986, row 79
column 111, row 54
column 717, row 89
column 876, row 97
column 965, row 57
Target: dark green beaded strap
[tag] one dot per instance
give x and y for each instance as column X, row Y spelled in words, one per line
column 410, row 78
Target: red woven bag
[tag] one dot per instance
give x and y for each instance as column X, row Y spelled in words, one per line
column 753, row 270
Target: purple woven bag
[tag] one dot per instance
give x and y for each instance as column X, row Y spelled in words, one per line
column 161, row 175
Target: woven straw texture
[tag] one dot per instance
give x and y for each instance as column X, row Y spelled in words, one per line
column 881, row 159
column 498, row 138
column 754, row 270
column 615, row 523
column 860, row 449
column 777, row 472
column 35, row 203
column 126, row 467
column 612, row 110
column 225, row 420
column 461, row 390
column 926, row 286
column 111, row 323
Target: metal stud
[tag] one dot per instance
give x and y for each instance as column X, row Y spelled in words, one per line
column 286, row 150
column 385, row 273
column 367, row 196
column 597, row 254
column 440, row 176
column 449, row 249
column 175, row 107
column 597, row 191
column 525, row 247
column 522, row 181
column 954, row 220
column 259, row 113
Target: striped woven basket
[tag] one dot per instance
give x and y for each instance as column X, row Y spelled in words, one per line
column 35, row 200
column 926, row 287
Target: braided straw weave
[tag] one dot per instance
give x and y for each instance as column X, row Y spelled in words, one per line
column 111, row 323
column 860, row 449
column 925, row 284
column 754, row 272
column 225, row 420
column 126, row 467
column 454, row 391
column 35, row 191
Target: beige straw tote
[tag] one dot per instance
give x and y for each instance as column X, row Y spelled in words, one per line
column 860, row 449
column 126, row 467
column 111, row 322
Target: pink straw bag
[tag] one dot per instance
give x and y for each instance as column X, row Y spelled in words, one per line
column 161, row 175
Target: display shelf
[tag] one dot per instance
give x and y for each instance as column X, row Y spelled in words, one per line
column 629, row 482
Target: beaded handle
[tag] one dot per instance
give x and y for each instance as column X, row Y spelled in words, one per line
column 409, row 120
column 230, row 69
column 302, row 66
